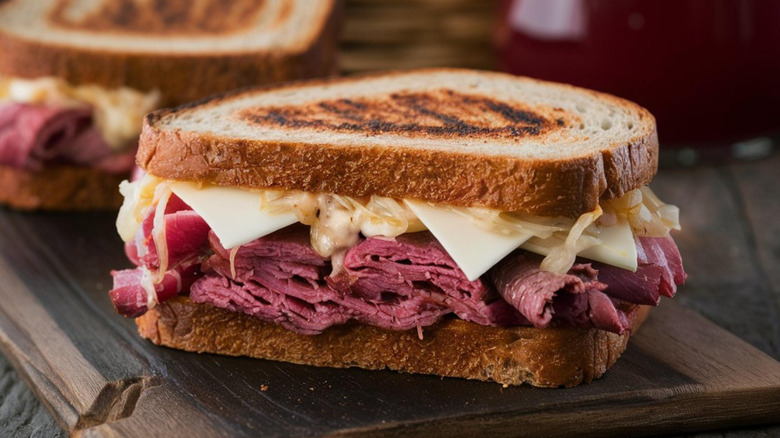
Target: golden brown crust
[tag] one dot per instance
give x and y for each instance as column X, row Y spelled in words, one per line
column 563, row 188
column 569, row 186
column 180, row 78
column 454, row 348
column 60, row 188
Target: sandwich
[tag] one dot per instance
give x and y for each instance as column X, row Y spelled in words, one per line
column 77, row 77
column 449, row 222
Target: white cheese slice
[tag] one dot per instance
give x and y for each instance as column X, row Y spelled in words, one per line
column 233, row 214
column 474, row 249
column 617, row 246
column 236, row 218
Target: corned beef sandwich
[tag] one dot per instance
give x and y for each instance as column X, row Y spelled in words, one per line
column 77, row 77
column 448, row 222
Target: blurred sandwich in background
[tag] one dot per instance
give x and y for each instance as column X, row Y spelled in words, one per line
column 77, row 76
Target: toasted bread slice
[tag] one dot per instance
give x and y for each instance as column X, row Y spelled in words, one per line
column 185, row 49
column 449, row 136
column 59, row 188
column 550, row 357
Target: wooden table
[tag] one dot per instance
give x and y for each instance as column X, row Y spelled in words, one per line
column 730, row 244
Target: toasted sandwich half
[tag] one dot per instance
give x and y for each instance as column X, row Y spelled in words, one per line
column 449, row 222
column 76, row 78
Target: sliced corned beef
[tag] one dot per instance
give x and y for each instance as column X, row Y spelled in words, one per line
column 259, row 301
column 590, row 294
column 32, row 135
column 576, row 298
column 606, row 313
column 659, row 272
column 416, row 264
column 290, row 285
column 401, row 283
column 131, row 299
column 186, row 237
column 278, row 278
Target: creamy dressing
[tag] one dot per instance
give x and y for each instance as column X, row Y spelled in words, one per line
column 148, row 283
column 337, row 222
column 162, row 194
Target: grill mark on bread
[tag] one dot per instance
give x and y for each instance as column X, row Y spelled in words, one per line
column 165, row 17
column 283, row 15
column 562, row 185
column 342, row 108
column 442, row 112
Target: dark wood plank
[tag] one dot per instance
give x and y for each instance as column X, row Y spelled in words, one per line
column 758, row 184
column 750, row 196
column 99, row 379
column 21, row 414
column 726, row 281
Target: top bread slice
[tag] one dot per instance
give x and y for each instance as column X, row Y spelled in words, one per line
column 449, row 136
column 187, row 49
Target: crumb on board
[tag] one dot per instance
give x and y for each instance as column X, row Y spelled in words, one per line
column 264, row 388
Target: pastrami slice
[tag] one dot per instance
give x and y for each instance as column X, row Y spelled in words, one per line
column 35, row 135
column 395, row 283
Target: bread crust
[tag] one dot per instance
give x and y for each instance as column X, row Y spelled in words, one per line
column 567, row 187
column 552, row 357
column 180, row 78
column 60, row 188
column 543, row 188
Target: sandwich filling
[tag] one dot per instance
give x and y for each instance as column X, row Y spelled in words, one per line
column 47, row 121
column 308, row 261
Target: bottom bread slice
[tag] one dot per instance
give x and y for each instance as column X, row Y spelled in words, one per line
column 60, row 188
column 549, row 357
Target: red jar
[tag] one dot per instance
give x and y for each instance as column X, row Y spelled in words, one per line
column 709, row 70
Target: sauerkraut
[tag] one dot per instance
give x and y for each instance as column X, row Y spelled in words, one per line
column 118, row 111
column 337, row 222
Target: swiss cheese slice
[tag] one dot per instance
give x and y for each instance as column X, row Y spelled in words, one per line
column 233, row 214
column 236, row 218
column 475, row 250
column 617, row 247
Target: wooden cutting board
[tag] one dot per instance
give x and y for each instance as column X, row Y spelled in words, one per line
column 86, row 364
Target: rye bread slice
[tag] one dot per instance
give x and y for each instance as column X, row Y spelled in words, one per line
column 186, row 50
column 549, row 357
column 459, row 137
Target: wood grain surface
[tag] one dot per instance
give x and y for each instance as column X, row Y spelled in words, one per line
column 679, row 374
column 403, row 34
